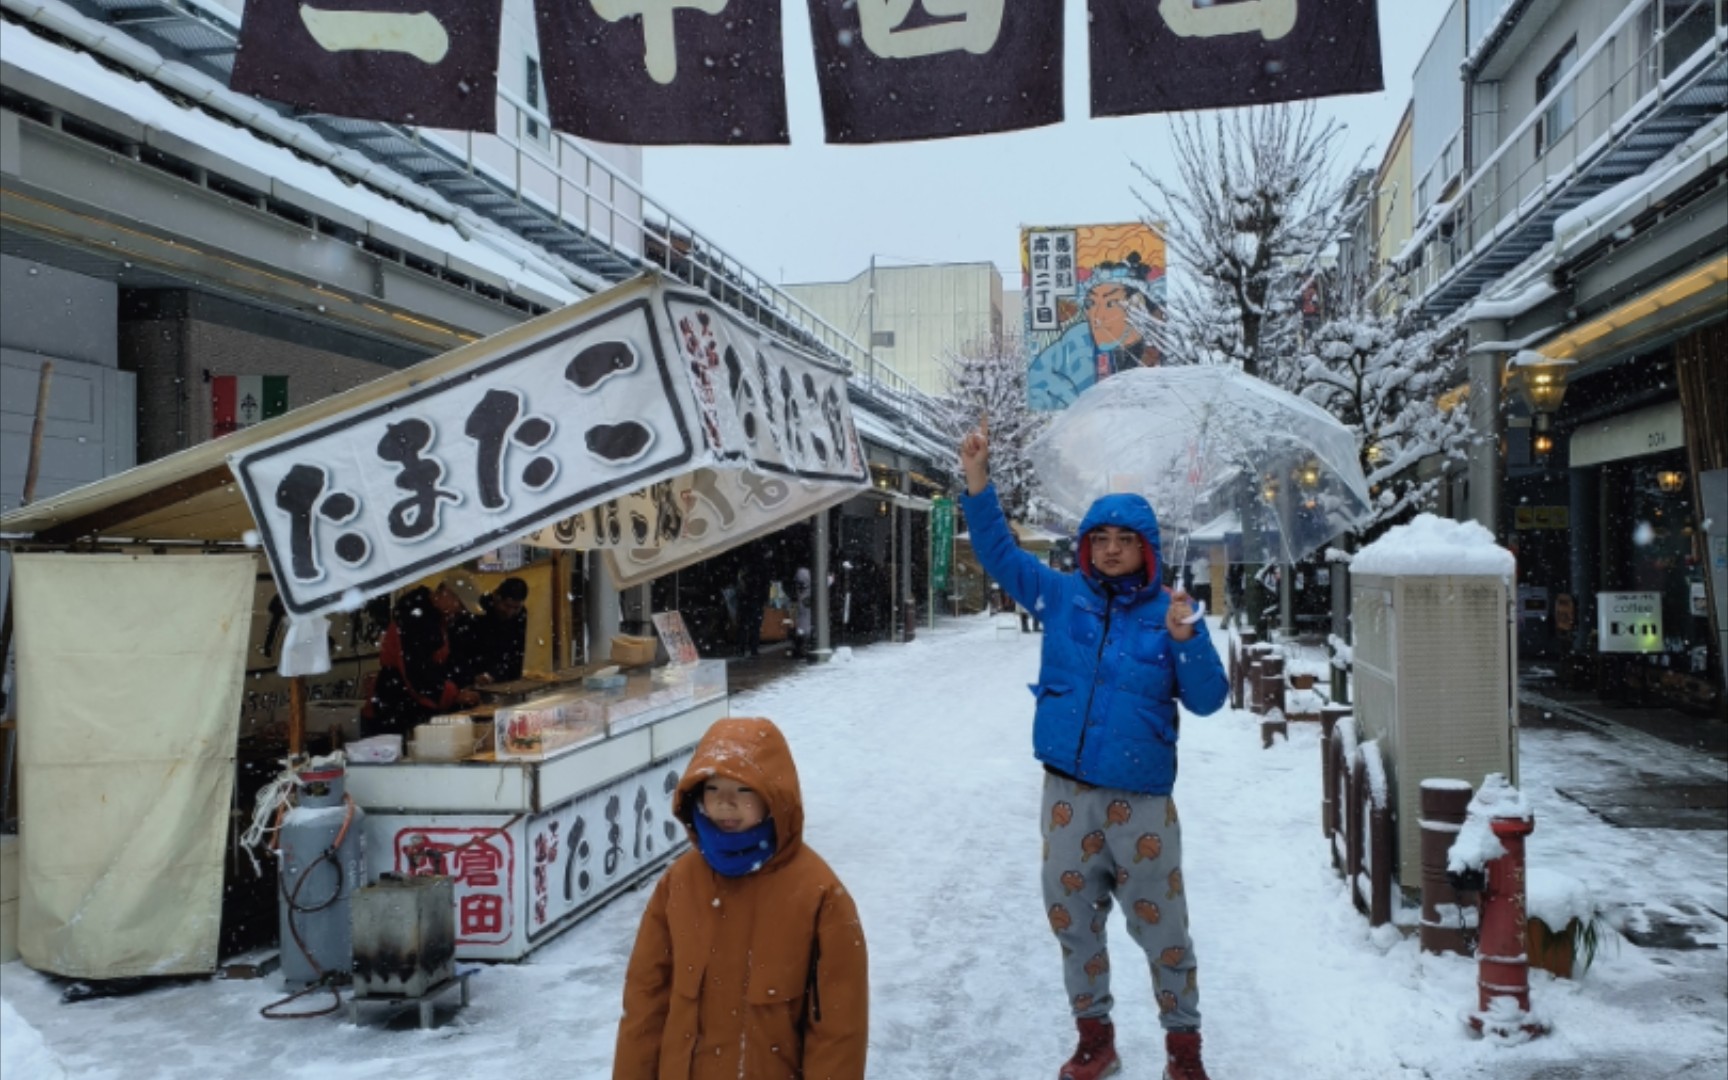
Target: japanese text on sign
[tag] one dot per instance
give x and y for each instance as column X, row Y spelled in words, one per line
column 371, row 500
column 1050, row 263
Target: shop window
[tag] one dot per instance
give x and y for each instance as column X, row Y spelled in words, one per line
column 1562, row 112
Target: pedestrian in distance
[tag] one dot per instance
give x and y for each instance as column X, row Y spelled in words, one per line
column 750, row 959
column 1119, row 652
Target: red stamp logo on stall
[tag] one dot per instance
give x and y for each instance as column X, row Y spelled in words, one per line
column 482, row 860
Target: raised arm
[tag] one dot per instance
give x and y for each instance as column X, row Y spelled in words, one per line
column 1018, row 571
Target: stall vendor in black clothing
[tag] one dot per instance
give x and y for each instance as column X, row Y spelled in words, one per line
column 417, row 675
column 489, row 646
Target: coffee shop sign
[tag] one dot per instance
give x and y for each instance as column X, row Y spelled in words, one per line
column 1629, row 622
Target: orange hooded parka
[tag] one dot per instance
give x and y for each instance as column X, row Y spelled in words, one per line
column 762, row 976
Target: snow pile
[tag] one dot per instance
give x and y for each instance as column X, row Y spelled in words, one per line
column 1304, row 702
column 1432, row 545
column 1556, row 898
column 23, row 1051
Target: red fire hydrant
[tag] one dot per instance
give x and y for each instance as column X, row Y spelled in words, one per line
column 1503, row 975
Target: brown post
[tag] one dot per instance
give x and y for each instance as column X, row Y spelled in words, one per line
column 1235, row 674
column 1272, row 679
column 1444, row 806
column 1340, row 807
column 1328, row 773
column 296, row 714
column 1380, row 865
column 38, row 427
column 1355, row 825
column 1251, row 685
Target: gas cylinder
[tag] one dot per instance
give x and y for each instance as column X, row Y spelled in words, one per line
column 322, row 864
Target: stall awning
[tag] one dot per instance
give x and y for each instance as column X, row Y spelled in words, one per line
column 645, row 421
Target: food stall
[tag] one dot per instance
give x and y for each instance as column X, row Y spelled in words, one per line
column 567, row 807
column 646, row 424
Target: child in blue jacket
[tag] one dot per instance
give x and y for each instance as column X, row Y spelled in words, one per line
column 1118, row 654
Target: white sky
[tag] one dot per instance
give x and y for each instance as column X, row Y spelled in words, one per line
column 921, row 792
column 812, row 212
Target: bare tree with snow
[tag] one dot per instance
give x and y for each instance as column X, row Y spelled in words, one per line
column 1256, row 201
column 1386, row 377
column 987, row 377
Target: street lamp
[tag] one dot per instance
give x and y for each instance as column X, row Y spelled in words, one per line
column 1541, row 381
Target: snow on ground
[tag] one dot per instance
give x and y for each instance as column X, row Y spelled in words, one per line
column 921, row 792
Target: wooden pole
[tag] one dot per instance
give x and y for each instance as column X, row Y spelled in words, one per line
column 296, row 714
column 37, row 427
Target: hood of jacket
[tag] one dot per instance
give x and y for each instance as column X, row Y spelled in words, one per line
column 1125, row 511
column 752, row 751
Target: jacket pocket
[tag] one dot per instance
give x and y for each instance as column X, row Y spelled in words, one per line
column 776, row 999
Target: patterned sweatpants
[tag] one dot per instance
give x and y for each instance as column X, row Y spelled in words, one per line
column 1102, row 845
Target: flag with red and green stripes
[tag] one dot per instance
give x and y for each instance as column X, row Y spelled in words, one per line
column 239, row 401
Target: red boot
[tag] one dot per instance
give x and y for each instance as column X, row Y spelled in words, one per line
column 1096, row 1055
column 1182, row 1056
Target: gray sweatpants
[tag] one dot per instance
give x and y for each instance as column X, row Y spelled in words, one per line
column 1101, row 843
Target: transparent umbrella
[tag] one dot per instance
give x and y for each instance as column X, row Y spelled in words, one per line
column 1202, row 440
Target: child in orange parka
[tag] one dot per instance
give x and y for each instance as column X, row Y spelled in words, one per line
column 750, row 961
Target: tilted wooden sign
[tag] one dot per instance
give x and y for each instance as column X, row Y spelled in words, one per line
column 646, row 404
column 662, row 72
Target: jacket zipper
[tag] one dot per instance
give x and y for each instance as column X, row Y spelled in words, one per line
column 1086, row 718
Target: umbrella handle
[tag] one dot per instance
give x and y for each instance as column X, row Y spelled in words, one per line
column 1199, row 613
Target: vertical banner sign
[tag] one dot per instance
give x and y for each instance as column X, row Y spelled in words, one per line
column 1166, row 55
column 658, row 72
column 239, row 401
column 433, row 63
column 941, row 543
column 1049, row 258
column 892, row 70
column 1094, row 300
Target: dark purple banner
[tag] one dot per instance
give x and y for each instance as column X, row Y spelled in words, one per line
column 660, row 72
column 1165, row 55
column 894, row 70
column 433, row 63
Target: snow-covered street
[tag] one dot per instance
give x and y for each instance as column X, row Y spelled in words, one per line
column 921, row 791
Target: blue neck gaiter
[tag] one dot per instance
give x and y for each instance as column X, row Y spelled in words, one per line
column 734, row 854
column 1124, row 584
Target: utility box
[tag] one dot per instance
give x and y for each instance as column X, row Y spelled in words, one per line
column 404, row 936
column 1434, row 664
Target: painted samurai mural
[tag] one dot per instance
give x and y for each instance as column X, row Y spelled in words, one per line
column 1093, row 293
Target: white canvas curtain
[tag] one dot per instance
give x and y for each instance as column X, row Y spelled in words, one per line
column 129, row 679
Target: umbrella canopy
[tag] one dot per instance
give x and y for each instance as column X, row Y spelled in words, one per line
column 1199, row 440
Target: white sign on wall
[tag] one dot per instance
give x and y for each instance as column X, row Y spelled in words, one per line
column 1629, row 622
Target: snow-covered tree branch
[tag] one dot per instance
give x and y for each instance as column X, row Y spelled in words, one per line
column 987, row 377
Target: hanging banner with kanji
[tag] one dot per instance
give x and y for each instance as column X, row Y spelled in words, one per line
column 1152, row 56
column 893, row 70
column 644, row 397
column 433, row 63
column 665, row 72
column 659, row 72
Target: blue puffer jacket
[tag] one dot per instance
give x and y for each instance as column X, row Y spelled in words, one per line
column 1111, row 673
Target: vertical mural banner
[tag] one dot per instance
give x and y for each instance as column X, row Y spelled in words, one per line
column 1094, row 299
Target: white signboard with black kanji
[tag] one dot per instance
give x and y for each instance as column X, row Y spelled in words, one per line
column 647, row 417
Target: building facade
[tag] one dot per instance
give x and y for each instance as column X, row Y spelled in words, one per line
column 913, row 316
column 1580, row 254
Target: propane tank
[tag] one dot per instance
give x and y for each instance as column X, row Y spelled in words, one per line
column 323, row 859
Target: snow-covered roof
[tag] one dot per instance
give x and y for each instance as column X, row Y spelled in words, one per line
column 905, row 440
column 1587, row 222
column 325, row 184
